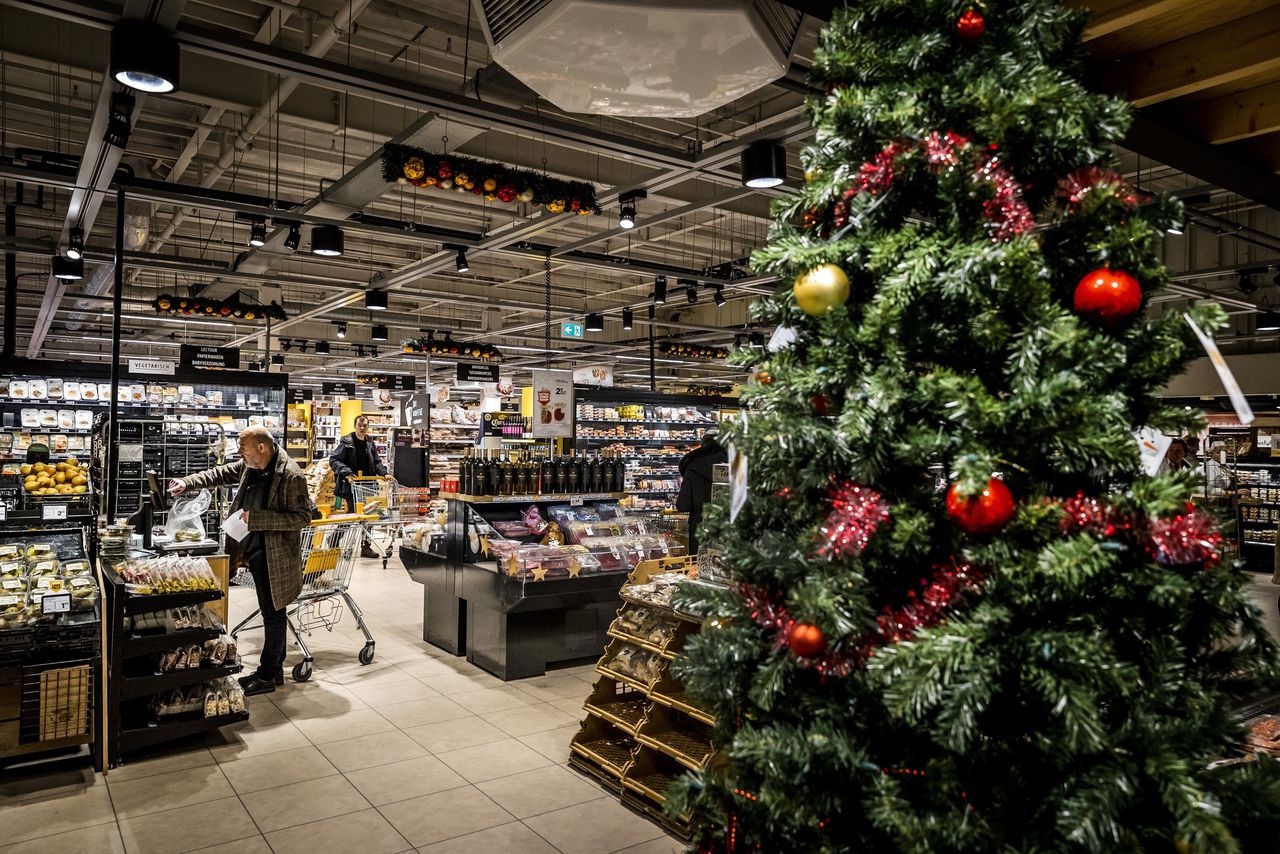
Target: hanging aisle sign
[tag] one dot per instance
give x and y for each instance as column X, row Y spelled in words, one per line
column 298, row 395
column 159, row 367
column 552, row 404
column 468, row 372
column 210, row 358
column 339, row 389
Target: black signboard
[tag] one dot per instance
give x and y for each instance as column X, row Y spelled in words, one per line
column 468, row 372
column 210, row 358
column 398, row 382
column 344, row 389
column 416, row 409
column 298, row 395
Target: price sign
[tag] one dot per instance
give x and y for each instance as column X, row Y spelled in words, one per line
column 56, row 603
column 576, row 501
column 54, row 512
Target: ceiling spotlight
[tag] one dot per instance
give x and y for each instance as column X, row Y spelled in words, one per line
column 1175, row 230
column 461, row 264
column 322, row 348
column 1246, row 284
column 286, row 344
column 627, row 217
column 144, row 56
column 660, row 290
column 764, row 165
column 379, row 333
column 628, row 318
column 277, row 358
column 375, row 300
column 326, row 240
column 692, row 293
column 66, row 269
column 1269, row 321
column 373, row 352
column 258, row 233
column 342, row 330
column 359, row 351
column 119, row 120
column 719, row 297
column 595, row 323
column 302, row 345
column 295, row 237
column 75, row 244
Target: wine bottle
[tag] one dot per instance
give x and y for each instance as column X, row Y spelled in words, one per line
column 464, row 473
column 562, row 475
column 522, row 475
column 509, row 475
column 593, row 474
column 575, row 474
column 493, row 484
column 547, row 475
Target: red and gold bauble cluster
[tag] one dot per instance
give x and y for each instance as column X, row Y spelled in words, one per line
column 693, row 351
column 225, row 309
column 492, row 181
column 449, row 348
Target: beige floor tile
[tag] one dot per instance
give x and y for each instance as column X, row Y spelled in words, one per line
column 571, row 705
column 548, row 688
column 664, row 845
column 337, row 727
column 540, row 790
column 173, row 759
column 366, row 751
column 300, row 803
column 366, row 831
column 594, row 827
column 383, row 676
column 344, row 669
column 492, row 699
column 255, row 773
column 428, row 667
column 464, row 681
column 316, row 699
column 248, row 845
column 444, row 815
column 42, row 783
column 554, row 743
column 268, row 730
column 387, row 693
column 99, row 839
column 167, row 791
column 419, row 712
column 67, row 811
column 493, row 760
column 398, row 781
column 513, row 838
column 199, row 824
column 526, row 720
column 455, row 734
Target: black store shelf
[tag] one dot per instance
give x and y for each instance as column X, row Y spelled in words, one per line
column 176, row 726
column 164, row 601
column 143, row 644
column 142, row 686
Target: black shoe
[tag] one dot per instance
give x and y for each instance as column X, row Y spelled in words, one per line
column 256, row 684
column 368, row 552
column 280, row 678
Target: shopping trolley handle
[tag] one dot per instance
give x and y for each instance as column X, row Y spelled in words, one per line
column 367, row 477
column 343, row 519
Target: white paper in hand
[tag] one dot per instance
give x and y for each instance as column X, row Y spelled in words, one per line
column 235, row 526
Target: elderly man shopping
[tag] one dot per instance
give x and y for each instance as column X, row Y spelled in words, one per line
column 273, row 497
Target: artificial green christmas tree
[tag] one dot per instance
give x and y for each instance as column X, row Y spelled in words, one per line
column 964, row 619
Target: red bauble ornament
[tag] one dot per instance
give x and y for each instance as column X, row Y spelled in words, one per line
column 806, row 640
column 985, row 513
column 971, row 25
column 820, row 404
column 1107, row 296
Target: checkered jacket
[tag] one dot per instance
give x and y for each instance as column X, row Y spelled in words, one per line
column 288, row 511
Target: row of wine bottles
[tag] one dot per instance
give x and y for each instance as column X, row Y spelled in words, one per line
column 537, row 472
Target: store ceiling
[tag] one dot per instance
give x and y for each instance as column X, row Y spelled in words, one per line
column 282, row 99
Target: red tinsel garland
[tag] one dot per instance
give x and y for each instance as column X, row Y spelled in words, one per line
column 1095, row 179
column 1187, row 539
column 856, row 512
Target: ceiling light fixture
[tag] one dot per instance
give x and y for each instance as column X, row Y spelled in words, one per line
column 660, row 290
column 719, row 297
column 373, row 351
column 692, row 293
column 627, row 217
column 595, row 323
column 375, row 300
column 461, row 264
column 119, row 120
column 258, row 233
column 628, row 318
column 379, row 333
column 342, row 330
column 145, row 56
column 1269, row 321
column 326, row 240
column 294, row 239
column 286, row 344
column 1175, row 230
column 322, row 348
column 303, row 344
column 66, row 269
column 359, row 351
column 1246, row 284
column 75, row 244
column 764, row 165
column 277, row 358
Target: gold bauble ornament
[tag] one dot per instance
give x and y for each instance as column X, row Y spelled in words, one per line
column 525, row 196
column 414, row 168
column 819, row 289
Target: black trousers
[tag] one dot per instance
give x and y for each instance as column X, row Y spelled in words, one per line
column 275, row 625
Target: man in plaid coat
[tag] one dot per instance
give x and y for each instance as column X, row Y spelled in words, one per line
column 272, row 495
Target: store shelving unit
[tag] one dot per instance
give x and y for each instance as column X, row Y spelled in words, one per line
column 300, row 439
column 1252, row 491
column 640, row 735
column 640, row 427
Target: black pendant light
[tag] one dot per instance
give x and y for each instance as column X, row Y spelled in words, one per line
column 66, row 269
column 595, row 323
column 375, row 300
column 764, row 165
column 326, row 240
column 145, row 56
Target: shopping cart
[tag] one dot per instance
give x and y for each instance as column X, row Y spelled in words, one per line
column 391, row 507
column 329, row 549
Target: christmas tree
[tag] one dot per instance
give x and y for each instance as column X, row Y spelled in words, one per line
column 964, row 618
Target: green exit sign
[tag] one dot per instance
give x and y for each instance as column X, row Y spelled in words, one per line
column 571, row 330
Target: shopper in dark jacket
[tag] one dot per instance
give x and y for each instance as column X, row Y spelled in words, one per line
column 355, row 456
column 695, row 485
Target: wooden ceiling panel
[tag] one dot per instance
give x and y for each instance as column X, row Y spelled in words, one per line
column 1243, row 48
column 1241, row 115
column 1123, row 27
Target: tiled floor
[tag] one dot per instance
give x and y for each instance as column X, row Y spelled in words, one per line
column 419, row 750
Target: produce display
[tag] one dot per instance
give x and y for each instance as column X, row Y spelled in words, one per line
column 170, row 574
column 29, row 572
column 68, row 477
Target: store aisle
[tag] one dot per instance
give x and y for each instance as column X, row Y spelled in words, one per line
column 419, row 750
